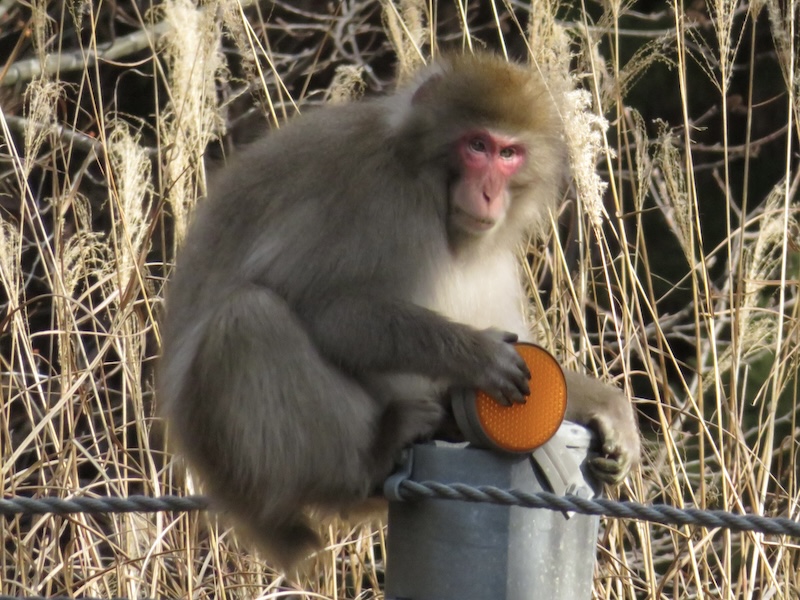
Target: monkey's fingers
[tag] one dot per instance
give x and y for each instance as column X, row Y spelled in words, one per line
column 521, row 380
column 501, row 335
column 511, row 390
column 505, row 374
column 505, row 398
column 618, row 453
column 610, row 469
column 524, row 386
column 523, row 383
column 515, row 396
column 520, row 388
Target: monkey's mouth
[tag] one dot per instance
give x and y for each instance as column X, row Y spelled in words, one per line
column 470, row 222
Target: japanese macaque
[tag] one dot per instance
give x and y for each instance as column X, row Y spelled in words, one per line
column 345, row 272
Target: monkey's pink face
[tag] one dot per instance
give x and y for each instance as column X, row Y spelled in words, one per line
column 479, row 197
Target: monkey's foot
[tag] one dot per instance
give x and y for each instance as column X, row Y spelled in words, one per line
column 402, row 423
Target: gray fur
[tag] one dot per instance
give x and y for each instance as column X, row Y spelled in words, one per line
column 320, row 306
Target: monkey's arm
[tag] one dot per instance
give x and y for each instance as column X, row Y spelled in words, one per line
column 367, row 332
column 606, row 410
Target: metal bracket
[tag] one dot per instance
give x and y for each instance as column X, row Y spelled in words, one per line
column 405, row 467
column 562, row 471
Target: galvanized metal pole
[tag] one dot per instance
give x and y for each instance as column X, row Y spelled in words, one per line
column 453, row 550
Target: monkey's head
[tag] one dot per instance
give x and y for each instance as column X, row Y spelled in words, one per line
column 494, row 128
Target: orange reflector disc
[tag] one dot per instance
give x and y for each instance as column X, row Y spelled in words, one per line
column 519, row 427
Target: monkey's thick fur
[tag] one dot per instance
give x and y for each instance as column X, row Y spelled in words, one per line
column 331, row 289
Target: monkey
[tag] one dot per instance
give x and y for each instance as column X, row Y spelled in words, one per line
column 347, row 270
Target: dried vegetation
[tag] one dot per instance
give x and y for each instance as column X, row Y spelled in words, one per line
column 675, row 273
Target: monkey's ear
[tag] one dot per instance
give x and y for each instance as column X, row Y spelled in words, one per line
column 426, row 92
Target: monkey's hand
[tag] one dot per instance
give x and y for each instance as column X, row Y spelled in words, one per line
column 607, row 411
column 619, row 451
column 502, row 373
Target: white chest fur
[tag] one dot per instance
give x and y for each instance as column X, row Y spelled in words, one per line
column 484, row 293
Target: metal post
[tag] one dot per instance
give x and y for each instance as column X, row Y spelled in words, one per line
column 453, row 550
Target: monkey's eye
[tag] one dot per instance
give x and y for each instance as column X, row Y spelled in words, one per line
column 477, row 145
column 508, row 153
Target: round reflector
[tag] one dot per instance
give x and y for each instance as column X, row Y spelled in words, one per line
column 519, row 427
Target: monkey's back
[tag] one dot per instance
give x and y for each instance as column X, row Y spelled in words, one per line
column 276, row 210
column 274, row 218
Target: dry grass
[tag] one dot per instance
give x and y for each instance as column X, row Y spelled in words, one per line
column 676, row 275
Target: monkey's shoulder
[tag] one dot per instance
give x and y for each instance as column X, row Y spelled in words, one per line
column 331, row 131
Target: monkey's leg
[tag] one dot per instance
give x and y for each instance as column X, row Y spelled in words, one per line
column 414, row 408
column 272, row 426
